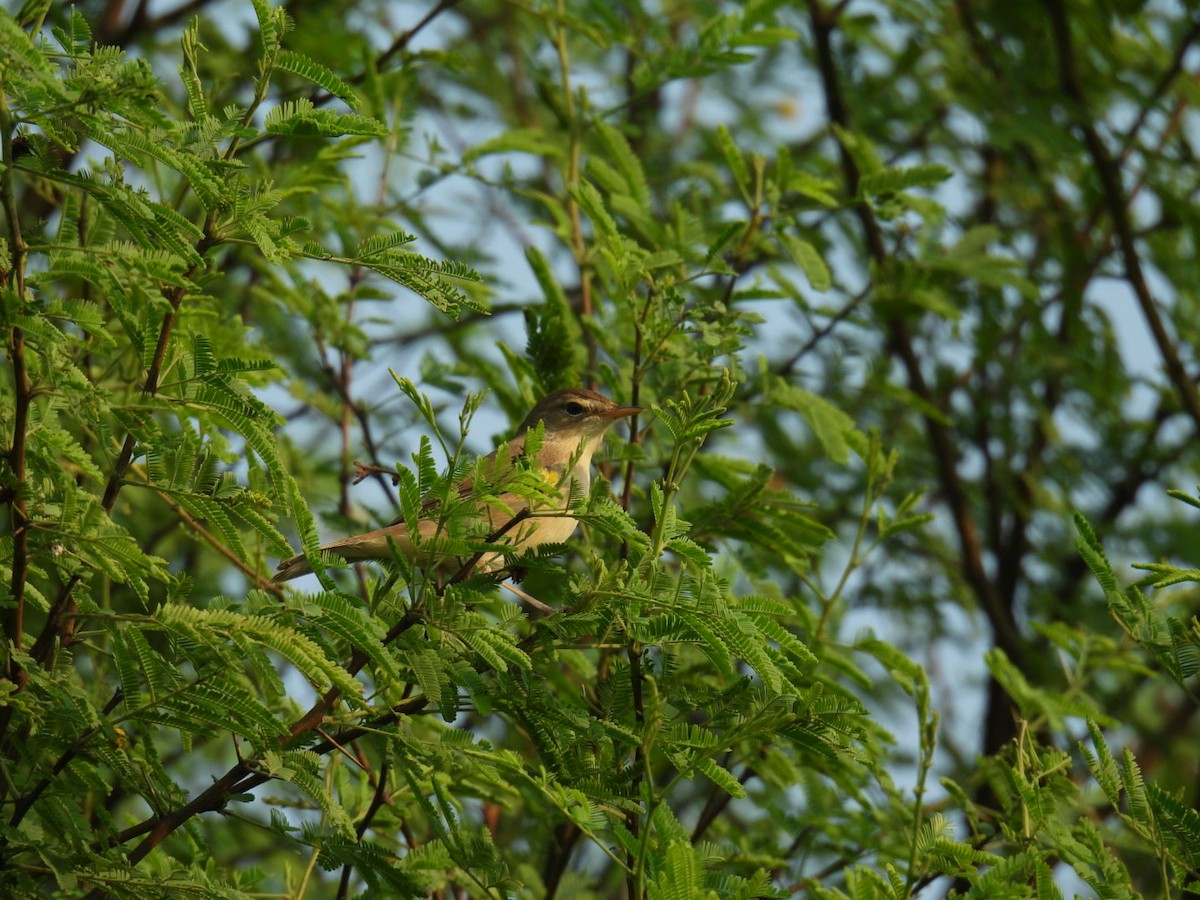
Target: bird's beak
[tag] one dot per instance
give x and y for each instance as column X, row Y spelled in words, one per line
column 620, row 412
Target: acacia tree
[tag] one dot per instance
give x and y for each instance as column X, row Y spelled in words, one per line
column 880, row 277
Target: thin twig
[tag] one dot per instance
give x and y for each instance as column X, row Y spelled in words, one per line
column 1173, row 70
column 23, row 804
column 378, row 801
column 213, row 541
column 717, row 801
column 43, row 647
column 469, row 566
column 571, row 179
column 633, row 822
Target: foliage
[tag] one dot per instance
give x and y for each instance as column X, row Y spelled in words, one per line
column 892, row 421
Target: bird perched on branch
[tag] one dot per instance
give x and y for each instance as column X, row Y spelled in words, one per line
column 526, row 513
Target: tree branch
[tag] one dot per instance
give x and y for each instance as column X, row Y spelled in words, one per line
column 14, row 626
column 63, row 607
column 900, row 344
column 241, row 778
column 1108, row 170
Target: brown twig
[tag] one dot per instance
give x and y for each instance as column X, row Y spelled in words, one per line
column 571, row 177
column 213, row 541
column 633, row 820
column 469, row 566
column 819, row 334
column 43, row 647
column 1011, row 544
column 362, row 472
column 404, row 38
column 1173, row 70
column 563, row 841
column 23, row 804
column 635, row 399
column 438, row 327
column 340, row 379
column 716, row 803
column 111, row 32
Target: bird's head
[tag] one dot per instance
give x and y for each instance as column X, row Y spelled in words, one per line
column 575, row 416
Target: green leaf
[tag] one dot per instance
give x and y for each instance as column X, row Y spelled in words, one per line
column 861, row 150
column 427, row 278
column 832, row 427
column 1093, row 554
column 338, row 614
column 891, row 181
column 592, row 204
column 680, row 877
column 303, row 769
column 626, row 162
column 735, row 160
column 722, row 778
column 26, row 59
column 208, row 625
column 210, row 190
column 211, row 514
column 516, row 140
column 805, row 255
column 310, row 69
column 721, row 241
column 220, row 707
column 555, row 340
column 1178, row 820
column 299, row 118
column 819, row 189
column 380, row 245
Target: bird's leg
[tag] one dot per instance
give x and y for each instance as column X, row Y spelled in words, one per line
column 531, row 600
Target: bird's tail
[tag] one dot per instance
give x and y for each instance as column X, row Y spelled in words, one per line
column 291, row 568
column 372, row 545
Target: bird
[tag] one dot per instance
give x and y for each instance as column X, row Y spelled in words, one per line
column 574, row 422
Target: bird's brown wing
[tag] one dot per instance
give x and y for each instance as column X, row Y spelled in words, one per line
column 375, row 544
column 425, row 551
column 496, row 468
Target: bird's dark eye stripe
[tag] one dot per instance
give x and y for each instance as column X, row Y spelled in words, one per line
column 574, row 408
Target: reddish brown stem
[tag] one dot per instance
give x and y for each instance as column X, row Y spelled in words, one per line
column 240, row 778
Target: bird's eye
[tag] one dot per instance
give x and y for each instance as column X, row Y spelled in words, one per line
column 574, row 408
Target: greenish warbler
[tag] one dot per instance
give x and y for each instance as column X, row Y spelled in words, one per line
column 574, row 422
